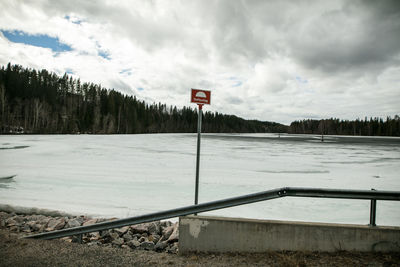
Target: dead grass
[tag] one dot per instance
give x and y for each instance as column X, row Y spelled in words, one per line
column 24, row 252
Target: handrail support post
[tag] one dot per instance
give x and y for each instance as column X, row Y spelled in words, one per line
column 372, row 212
column 372, row 216
column 80, row 238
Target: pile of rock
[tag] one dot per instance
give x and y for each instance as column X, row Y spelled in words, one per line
column 157, row 236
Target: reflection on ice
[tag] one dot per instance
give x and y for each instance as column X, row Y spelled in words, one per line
column 377, row 160
column 13, row 147
column 294, row 171
column 6, row 179
column 128, row 175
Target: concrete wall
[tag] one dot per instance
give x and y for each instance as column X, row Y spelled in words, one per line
column 217, row 234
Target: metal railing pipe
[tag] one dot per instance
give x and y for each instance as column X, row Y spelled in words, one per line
column 162, row 215
column 341, row 193
column 221, row 204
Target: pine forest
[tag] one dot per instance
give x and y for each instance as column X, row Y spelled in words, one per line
column 41, row 102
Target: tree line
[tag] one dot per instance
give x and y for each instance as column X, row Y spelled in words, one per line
column 34, row 101
column 42, row 102
column 333, row 126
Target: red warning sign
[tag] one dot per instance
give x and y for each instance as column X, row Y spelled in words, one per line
column 200, row 96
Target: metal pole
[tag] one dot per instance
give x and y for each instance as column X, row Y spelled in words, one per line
column 80, row 238
column 372, row 212
column 196, row 194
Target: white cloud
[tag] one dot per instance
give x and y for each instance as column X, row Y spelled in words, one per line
column 269, row 60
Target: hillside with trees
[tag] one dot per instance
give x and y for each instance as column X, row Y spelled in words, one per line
column 34, row 101
column 42, row 102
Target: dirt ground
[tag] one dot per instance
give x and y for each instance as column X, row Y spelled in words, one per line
column 15, row 251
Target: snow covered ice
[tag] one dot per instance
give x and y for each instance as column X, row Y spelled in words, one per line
column 128, row 175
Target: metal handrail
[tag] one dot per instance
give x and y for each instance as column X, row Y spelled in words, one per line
column 227, row 203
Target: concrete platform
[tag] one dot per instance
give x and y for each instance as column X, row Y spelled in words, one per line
column 219, row 234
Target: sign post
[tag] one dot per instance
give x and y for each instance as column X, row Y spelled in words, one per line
column 196, row 192
column 200, row 97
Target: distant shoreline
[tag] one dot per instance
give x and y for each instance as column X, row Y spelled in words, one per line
column 209, row 133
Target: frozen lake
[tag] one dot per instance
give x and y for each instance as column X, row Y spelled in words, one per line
column 128, row 175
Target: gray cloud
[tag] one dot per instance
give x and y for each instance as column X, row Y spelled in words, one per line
column 234, row 100
column 358, row 35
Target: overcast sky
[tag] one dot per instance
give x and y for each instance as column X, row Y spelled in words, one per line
column 267, row 60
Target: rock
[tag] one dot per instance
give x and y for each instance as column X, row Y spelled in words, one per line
column 18, row 219
column 166, row 233
column 165, row 224
column 147, row 245
column 105, row 233
column 173, row 248
column 34, row 226
column 154, row 238
column 44, row 220
column 118, row 241
column 136, row 236
column 77, row 239
column 81, row 219
column 154, row 228
column 11, row 222
column 121, row 231
column 133, row 244
column 175, row 234
column 4, row 215
column 55, row 224
column 160, row 246
column 26, row 228
column 14, row 228
column 35, row 217
column 127, row 237
column 111, row 236
column 90, row 222
column 73, row 223
column 94, row 236
column 140, row 228
column 142, row 239
column 42, row 228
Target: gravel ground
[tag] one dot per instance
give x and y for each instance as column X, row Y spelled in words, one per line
column 15, row 251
